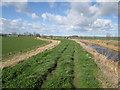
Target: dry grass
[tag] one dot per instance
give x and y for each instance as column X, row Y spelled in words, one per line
column 110, row 44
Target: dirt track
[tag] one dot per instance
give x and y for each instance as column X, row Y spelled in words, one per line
column 29, row 54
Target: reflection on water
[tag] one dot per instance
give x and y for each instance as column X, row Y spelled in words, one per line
column 113, row 55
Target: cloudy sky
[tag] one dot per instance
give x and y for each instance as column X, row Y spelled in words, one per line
column 61, row 18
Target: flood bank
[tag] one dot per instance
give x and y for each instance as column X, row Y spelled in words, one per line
column 110, row 54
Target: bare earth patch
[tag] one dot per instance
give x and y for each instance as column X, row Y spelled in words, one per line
column 13, row 61
column 109, row 76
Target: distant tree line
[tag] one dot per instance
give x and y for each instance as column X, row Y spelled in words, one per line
column 14, row 34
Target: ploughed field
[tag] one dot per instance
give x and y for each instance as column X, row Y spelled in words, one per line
column 67, row 65
column 16, row 45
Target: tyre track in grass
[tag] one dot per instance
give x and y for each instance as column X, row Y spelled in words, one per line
column 73, row 71
column 76, row 69
column 29, row 54
column 51, row 70
column 63, row 72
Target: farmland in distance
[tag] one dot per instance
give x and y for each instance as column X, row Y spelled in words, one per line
column 17, row 45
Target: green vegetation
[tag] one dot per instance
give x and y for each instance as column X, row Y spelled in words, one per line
column 55, row 68
column 85, row 68
column 13, row 45
column 62, row 77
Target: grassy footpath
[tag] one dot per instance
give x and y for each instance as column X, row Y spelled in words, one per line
column 62, row 77
column 14, row 45
column 85, row 69
column 76, row 69
column 65, row 66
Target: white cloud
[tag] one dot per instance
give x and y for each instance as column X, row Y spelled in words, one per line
column 84, row 17
column 81, row 17
column 52, row 4
column 99, row 23
column 76, row 16
column 74, row 0
column 20, row 26
column 14, row 0
column 55, row 18
column 108, row 8
column 107, row 0
column 10, row 26
column 22, row 7
column 44, row 16
column 35, row 17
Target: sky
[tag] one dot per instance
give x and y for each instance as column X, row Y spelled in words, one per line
column 67, row 18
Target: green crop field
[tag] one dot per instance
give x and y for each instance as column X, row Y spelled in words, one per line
column 13, row 45
column 67, row 65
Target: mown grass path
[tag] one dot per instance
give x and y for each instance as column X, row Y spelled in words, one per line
column 63, row 75
column 66, row 66
column 85, row 69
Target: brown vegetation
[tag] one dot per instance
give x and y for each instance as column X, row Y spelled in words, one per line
column 110, row 44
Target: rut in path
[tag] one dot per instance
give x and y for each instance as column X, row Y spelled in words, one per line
column 55, row 72
column 75, row 72
column 51, row 71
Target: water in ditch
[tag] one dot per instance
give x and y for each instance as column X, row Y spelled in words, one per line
column 111, row 55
